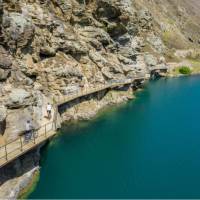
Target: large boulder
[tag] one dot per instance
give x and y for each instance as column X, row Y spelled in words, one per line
column 62, row 66
column 18, row 30
column 19, row 98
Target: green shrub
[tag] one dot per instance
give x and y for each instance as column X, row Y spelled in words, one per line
column 185, row 70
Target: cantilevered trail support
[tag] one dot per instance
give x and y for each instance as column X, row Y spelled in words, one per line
column 12, row 150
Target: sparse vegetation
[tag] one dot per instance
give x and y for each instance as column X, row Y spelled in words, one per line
column 166, row 36
column 171, row 21
column 185, row 70
column 174, row 39
column 194, row 55
column 170, row 57
column 195, row 66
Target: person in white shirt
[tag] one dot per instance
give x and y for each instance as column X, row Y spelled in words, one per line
column 49, row 109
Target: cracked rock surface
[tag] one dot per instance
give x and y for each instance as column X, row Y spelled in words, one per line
column 51, row 48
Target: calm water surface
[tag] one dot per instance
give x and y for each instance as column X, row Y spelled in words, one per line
column 148, row 148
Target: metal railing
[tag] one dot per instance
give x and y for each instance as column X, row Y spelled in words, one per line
column 159, row 68
column 86, row 91
column 14, row 149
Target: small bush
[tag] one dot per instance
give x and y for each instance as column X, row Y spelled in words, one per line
column 185, row 70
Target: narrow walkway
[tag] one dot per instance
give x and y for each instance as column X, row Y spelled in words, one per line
column 164, row 67
column 18, row 147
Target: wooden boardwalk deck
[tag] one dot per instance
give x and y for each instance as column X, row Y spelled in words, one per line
column 16, row 148
column 20, row 146
column 164, row 67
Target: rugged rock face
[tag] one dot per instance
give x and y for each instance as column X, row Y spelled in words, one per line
column 55, row 47
column 52, row 48
column 17, row 175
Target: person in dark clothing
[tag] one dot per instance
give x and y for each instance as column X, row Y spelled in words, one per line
column 28, row 133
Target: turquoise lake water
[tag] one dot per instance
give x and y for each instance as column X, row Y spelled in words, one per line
column 147, row 148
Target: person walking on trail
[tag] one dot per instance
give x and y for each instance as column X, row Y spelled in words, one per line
column 28, row 133
column 49, row 109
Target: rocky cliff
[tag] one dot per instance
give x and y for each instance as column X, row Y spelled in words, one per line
column 51, row 48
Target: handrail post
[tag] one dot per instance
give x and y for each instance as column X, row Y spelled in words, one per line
column 52, row 125
column 21, row 143
column 6, row 153
column 45, row 131
column 34, row 137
